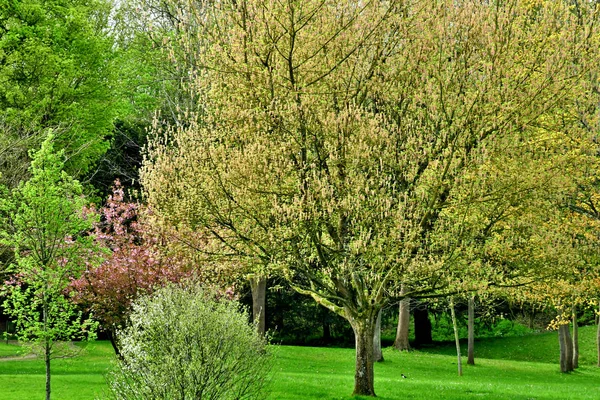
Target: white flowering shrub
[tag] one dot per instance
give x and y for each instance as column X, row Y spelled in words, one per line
column 182, row 343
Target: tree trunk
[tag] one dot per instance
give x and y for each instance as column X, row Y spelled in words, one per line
column 575, row 339
column 47, row 362
column 401, row 342
column 456, row 338
column 278, row 313
column 422, row 324
column 531, row 318
column 377, row 354
column 364, row 329
column 598, row 336
column 471, row 329
column 259, row 295
column 566, row 348
column 113, row 342
column 326, row 331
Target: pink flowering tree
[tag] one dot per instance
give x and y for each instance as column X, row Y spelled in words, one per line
column 137, row 262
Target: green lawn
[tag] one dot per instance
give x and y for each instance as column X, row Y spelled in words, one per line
column 506, row 368
column 74, row 378
column 11, row 349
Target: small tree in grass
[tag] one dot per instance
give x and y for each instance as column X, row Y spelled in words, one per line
column 42, row 221
column 185, row 343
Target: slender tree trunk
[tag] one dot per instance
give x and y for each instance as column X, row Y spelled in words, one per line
column 324, row 317
column 364, row 329
column 278, row 313
column 326, row 331
column 377, row 354
column 47, row 362
column 456, row 338
column 47, row 344
column 259, row 295
column 531, row 318
column 422, row 324
column 575, row 339
column 471, row 329
column 566, row 348
column 598, row 336
column 401, row 342
column 113, row 342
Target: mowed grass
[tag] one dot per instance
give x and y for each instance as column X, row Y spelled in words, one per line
column 11, row 349
column 506, row 368
column 74, row 378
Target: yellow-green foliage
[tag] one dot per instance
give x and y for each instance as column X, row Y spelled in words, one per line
column 355, row 147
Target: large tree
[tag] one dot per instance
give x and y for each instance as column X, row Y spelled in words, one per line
column 363, row 146
column 56, row 71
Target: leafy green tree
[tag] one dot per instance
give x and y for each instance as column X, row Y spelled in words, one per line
column 153, row 88
column 56, row 71
column 43, row 222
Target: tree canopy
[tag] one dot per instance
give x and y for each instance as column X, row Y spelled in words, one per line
column 363, row 146
column 56, row 71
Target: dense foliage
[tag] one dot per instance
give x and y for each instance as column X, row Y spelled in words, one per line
column 363, row 155
column 363, row 148
column 43, row 222
column 184, row 344
column 133, row 264
column 56, row 69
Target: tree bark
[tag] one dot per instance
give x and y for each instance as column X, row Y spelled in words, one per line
column 259, row 295
column 531, row 318
column 471, row 329
column 377, row 354
column 401, row 342
column 47, row 363
column 422, row 324
column 575, row 339
column 326, row 331
column 113, row 342
column 566, row 348
column 598, row 336
column 364, row 329
column 456, row 338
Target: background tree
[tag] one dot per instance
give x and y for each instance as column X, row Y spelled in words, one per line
column 57, row 71
column 347, row 145
column 153, row 82
column 401, row 342
column 43, row 221
column 135, row 264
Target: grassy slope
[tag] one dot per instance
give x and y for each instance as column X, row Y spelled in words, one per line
column 513, row 368
column 506, row 368
column 10, row 349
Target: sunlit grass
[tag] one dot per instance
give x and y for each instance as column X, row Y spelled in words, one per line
column 80, row 377
column 318, row 373
column 506, row 368
column 11, row 349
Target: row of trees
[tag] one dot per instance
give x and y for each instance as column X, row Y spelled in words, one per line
column 366, row 152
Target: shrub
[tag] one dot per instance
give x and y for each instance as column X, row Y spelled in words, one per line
column 184, row 343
